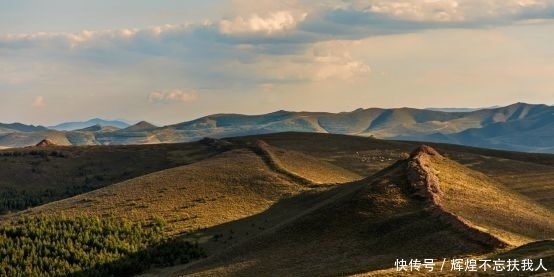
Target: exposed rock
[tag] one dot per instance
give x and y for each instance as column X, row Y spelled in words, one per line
column 425, row 149
column 426, row 184
column 45, row 142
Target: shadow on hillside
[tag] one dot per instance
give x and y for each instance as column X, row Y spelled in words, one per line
column 539, row 252
column 331, row 233
column 185, row 248
column 167, row 253
column 232, row 235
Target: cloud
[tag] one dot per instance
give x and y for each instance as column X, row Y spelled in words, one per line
column 38, row 102
column 280, row 21
column 429, row 10
column 272, row 42
column 295, row 24
column 172, row 96
column 361, row 19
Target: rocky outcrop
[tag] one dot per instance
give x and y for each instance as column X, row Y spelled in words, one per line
column 45, row 143
column 426, row 184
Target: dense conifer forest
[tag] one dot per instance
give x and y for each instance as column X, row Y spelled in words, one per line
column 88, row 246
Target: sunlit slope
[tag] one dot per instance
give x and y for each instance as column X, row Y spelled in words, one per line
column 535, row 181
column 227, row 187
column 18, row 139
column 529, row 174
column 407, row 210
column 486, row 205
column 307, row 167
column 33, row 176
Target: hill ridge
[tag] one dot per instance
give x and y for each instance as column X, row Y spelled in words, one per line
column 140, row 126
column 426, row 184
column 377, row 213
column 261, row 148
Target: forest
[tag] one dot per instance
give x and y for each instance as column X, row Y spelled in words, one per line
column 88, row 246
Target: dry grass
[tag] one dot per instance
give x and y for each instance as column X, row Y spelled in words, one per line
column 310, row 168
column 489, row 206
column 230, row 186
column 375, row 221
column 531, row 175
column 254, row 219
column 57, row 172
column 378, row 220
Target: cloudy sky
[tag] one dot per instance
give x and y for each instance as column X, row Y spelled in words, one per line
column 169, row 61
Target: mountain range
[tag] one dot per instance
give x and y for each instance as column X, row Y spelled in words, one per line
column 517, row 127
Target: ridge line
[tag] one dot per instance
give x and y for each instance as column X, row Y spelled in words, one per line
column 426, row 184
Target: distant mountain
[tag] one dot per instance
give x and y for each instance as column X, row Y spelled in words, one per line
column 21, row 139
column 457, row 110
column 70, row 126
column 19, row 127
column 517, row 127
column 141, row 126
column 99, row 128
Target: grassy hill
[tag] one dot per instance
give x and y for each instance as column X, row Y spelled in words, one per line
column 292, row 204
column 366, row 225
column 37, row 175
column 529, row 174
column 304, row 168
column 232, row 185
column 229, row 186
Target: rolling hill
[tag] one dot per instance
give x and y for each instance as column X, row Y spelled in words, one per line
column 237, row 183
column 38, row 175
column 18, row 127
column 426, row 206
column 517, row 127
column 305, row 204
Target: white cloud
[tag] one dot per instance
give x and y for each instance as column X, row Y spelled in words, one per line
column 172, row 96
column 274, row 22
column 452, row 10
column 39, row 102
column 427, row 10
column 88, row 38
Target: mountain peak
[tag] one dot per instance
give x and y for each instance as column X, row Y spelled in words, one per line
column 425, row 150
column 141, row 126
column 45, row 142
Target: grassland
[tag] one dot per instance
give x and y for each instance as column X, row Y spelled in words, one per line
column 295, row 204
column 528, row 174
column 370, row 223
column 38, row 175
column 207, row 193
column 489, row 206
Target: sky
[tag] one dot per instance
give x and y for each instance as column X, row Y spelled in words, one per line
column 170, row 61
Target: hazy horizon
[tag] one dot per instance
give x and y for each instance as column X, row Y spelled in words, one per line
column 177, row 120
column 173, row 61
